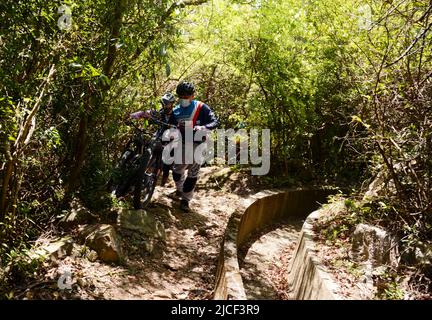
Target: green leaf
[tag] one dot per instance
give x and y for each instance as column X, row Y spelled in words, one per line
column 105, row 80
column 93, row 72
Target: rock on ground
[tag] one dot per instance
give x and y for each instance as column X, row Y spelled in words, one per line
column 374, row 246
column 104, row 240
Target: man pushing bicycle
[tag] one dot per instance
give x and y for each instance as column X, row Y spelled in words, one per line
column 163, row 115
column 188, row 114
column 195, row 115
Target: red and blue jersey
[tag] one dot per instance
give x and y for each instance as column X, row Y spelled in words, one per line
column 197, row 113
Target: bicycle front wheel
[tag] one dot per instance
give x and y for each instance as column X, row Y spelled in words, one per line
column 124, row 174
column 145, row 183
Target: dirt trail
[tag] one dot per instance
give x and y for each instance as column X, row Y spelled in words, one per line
column 265, row 258
column 182, row 267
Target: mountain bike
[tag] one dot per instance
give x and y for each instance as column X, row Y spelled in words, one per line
column 140, row 164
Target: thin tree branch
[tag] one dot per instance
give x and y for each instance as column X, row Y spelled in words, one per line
column 407, row 51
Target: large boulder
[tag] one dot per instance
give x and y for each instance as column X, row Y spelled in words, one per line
column 52, row 250
column 374, row 247
column 143, row 222
column 103, row 239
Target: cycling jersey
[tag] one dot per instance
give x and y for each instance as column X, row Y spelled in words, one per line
column 197, row 112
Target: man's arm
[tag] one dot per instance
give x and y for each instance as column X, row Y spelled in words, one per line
column 144, row 114
column 172, row 119
column 208, row 118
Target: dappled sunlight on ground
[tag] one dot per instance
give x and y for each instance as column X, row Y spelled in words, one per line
column 264, row 260
column 183, row 266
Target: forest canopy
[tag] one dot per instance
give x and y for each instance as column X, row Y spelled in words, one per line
column 344, row 86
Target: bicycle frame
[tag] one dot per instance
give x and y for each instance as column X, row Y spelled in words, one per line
column 142, row 164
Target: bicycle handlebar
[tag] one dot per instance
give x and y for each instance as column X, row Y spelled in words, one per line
column 129, row 122
column 155, row 120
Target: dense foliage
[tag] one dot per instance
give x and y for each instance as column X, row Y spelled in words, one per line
column 344, row 86
column 69, row 72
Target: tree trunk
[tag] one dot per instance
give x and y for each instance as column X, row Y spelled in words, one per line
column 114, row 35
column 8, row 196
column 80, row 151
column 7, row 175
column 94, row 103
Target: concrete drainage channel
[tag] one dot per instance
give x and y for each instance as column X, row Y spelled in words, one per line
column 306, row 278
